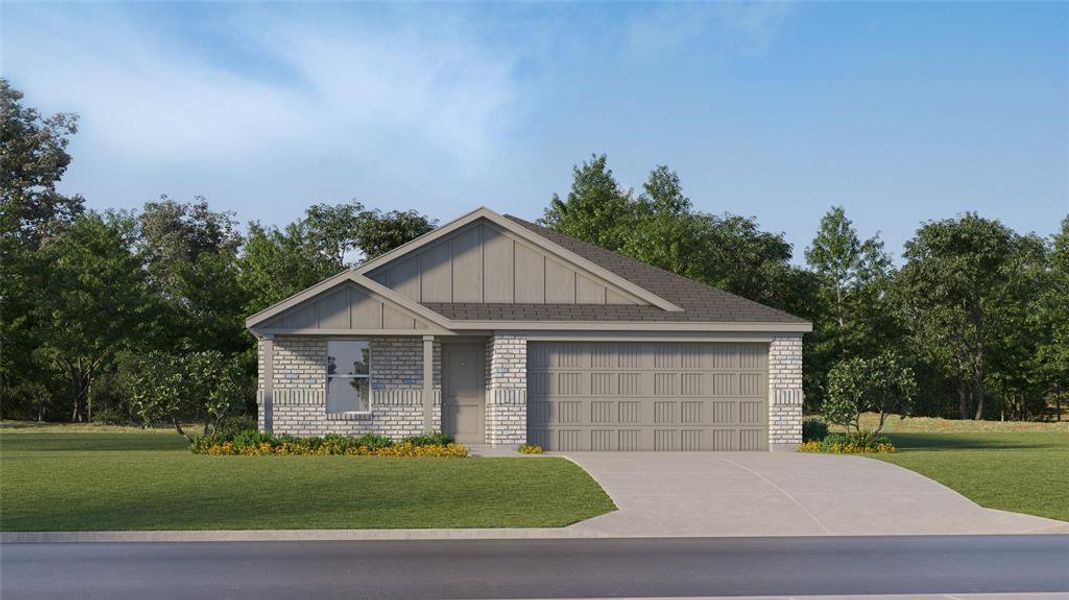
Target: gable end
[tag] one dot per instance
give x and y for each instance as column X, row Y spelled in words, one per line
column 482, row 262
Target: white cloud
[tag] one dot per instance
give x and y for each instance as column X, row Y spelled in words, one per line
column 738, row 26
column 358, row 90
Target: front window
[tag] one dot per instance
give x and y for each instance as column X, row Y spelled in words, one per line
column 348, row 386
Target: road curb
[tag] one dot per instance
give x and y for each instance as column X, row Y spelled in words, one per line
column 354, row 535
column 289, row 535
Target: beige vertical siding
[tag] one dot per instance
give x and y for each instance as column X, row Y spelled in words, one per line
column 482, row 263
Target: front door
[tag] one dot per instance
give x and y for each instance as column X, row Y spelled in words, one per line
column 463, row 392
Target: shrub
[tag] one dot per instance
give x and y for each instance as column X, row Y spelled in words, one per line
column 250, row 437
column 436, row 438
column 372, row 440
column 857, row 385
column 202, row 444
column 253, row 443
column 171, row 388
column 234, row 425
column 530, row 449
column 814, row 430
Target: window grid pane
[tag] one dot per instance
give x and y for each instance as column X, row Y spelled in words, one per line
column 348, row 369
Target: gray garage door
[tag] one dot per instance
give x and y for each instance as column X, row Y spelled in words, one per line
column 637, row 396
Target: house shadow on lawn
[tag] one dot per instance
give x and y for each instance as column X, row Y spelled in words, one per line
column 978, row 441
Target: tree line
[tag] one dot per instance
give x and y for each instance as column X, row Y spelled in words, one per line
column 978, row 312
column 93, row 301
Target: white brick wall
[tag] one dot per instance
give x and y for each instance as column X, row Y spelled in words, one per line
column 506, row 402
column 300, row 379
column 785, row 392
column 397, row 380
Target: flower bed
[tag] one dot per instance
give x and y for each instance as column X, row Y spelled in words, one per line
column 530, row 449
column 854, row 443
column 254, row 443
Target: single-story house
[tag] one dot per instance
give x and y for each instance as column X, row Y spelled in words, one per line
column 497, row 331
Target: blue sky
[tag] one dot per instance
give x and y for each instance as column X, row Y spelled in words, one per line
column 899, row 112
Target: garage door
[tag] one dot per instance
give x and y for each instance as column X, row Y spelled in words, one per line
column 632, row 396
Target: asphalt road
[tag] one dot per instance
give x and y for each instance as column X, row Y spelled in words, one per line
column 536, row 568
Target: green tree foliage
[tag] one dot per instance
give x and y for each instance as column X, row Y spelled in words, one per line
column 171, row 388
column 957, row 291
column 277, row 263
column 34, row 155
column 880, row 384
column 190, row 253
column 596, row 209
column 337, row 230
column 1052, row 317
column 94, row 302
column 855, row 316
column 34, row 150
column 379, row 232
column 660, row 227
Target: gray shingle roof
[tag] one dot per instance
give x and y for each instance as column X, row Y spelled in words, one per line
column 700, row 303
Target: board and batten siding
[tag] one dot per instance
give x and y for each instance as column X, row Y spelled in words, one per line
column 343, row 308
column 483, row 263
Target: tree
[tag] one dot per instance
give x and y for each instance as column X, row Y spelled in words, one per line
column 172, row 388
column 855, row 317
column 332, row 231
column 858, row 385
column 34, row 151
column 35, row 157
column 190, row 254
column 1051, row 317
column 277, row 263
column 596, row 209
column 93, row 304
column 377, row 233
column 661, row 228
column 954, row 291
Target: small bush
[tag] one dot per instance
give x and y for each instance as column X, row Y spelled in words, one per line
column 530, row 449
column 375, row 441
column 250, row 437
column 202, row 444
column 436, row 438
column 814, row 430
column 233, row 425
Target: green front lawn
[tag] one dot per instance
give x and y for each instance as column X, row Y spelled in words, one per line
column 67, row 480
column 1019, row 467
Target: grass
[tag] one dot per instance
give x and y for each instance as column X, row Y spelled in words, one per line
column 78, row 479
column 1019, row 467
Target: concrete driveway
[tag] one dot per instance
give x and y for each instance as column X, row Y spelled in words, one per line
column 782, row 494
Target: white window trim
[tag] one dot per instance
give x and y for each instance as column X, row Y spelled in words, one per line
column 326, row 381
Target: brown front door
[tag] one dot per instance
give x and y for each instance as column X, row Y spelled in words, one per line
column 463, row 392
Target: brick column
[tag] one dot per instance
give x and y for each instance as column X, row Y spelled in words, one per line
column 266, row 383
column 428, row 384
column 506, row 402
column 785, row 393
